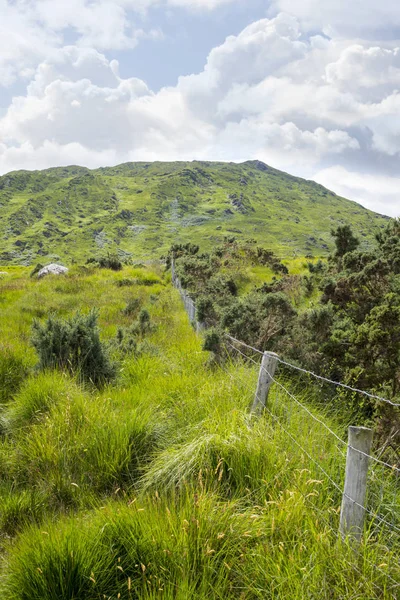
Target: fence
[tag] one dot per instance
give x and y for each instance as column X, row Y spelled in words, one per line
column 365, row 488
column 188, row 302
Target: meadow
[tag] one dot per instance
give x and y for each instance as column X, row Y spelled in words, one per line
column 159, row 484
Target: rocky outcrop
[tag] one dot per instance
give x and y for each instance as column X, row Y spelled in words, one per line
column 52, row 269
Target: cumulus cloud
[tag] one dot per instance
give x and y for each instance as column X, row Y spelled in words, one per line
column 358, row 18
column 31, row 29
column 310, row 104
column 370, row 71
column 377, row 192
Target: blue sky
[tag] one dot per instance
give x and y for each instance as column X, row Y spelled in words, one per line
column 309, row 87
column 188, row 37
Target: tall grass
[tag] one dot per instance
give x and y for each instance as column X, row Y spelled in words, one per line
column 159, row 485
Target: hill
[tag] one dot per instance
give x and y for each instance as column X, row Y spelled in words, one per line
column 139, row 209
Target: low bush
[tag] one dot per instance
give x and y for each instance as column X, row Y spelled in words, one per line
column 74, row 345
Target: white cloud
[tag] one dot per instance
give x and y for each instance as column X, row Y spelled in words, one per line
column 200, row 4
column 377, row 192
column 25, row 156
column 370, row 71
column 304, row 104
column 64, row 105
column 283, row 144
column 31, row 29
column 348, row 18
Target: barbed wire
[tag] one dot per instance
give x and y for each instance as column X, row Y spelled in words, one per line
column 320, row 377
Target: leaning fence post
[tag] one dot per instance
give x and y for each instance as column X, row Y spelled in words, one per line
column 265, row 378
column 352, row 511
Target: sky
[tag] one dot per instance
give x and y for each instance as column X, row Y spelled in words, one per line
column 311, row 87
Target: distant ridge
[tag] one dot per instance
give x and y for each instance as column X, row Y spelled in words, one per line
column 139, row 209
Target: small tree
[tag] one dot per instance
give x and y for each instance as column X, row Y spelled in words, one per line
column 345, row 240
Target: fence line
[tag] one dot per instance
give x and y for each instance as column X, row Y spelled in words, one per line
column 336, row 383
column 188, row 302
column 279, row 384
column 375, row 516
column 190, row 308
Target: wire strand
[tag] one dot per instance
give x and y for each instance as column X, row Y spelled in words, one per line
column 320, row 377
column 372, row 514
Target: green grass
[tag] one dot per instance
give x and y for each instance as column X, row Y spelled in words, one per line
column 139, row 209
column 160, row 485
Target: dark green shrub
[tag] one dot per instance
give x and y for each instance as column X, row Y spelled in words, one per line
column 212, row 341
column 36, row 270
column 128, row 338
column 111, row 261
column 73, row 345
column 125, row 282
column 144, row 321
column 132, row 307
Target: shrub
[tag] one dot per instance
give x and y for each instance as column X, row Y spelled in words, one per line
column 127, row 337
column 36, row 270
column 132, row 307
column 111, row 261
column 74, row 346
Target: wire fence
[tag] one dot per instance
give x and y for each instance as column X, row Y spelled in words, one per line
column 324, row 455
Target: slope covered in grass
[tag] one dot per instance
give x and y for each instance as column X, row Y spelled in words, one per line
column 139, row 209
column 159, row 485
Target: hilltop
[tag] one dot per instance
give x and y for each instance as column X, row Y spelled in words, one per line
column 140, row 209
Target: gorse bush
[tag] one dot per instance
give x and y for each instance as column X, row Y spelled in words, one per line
column 74, row 345
column 128, row 338
column 111, row 261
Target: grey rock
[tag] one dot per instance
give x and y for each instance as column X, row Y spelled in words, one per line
column 52, row 269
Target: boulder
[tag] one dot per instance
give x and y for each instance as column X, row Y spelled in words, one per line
column 52, row 269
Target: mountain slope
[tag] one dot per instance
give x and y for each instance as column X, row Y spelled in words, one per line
column 139, row 209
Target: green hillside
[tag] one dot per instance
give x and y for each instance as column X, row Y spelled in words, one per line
column 139, row 209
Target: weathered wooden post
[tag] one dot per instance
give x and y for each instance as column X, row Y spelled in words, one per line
column 265, row 378
column 173, row 271
column 352, row 512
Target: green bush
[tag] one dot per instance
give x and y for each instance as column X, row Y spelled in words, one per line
column 132, row 307
column 111, row 261
column 74, row 346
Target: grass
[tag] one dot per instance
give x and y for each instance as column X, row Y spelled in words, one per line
column 138, row 210
column 160, row 485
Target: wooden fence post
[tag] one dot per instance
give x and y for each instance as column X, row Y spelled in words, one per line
column 352, row 512
column 173, row 270
column 265, row 377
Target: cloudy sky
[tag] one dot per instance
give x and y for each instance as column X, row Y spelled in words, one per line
column 308, row 86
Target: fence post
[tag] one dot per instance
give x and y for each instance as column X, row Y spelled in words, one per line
column 352, row 511
column 173, row 270
column 267, row 372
